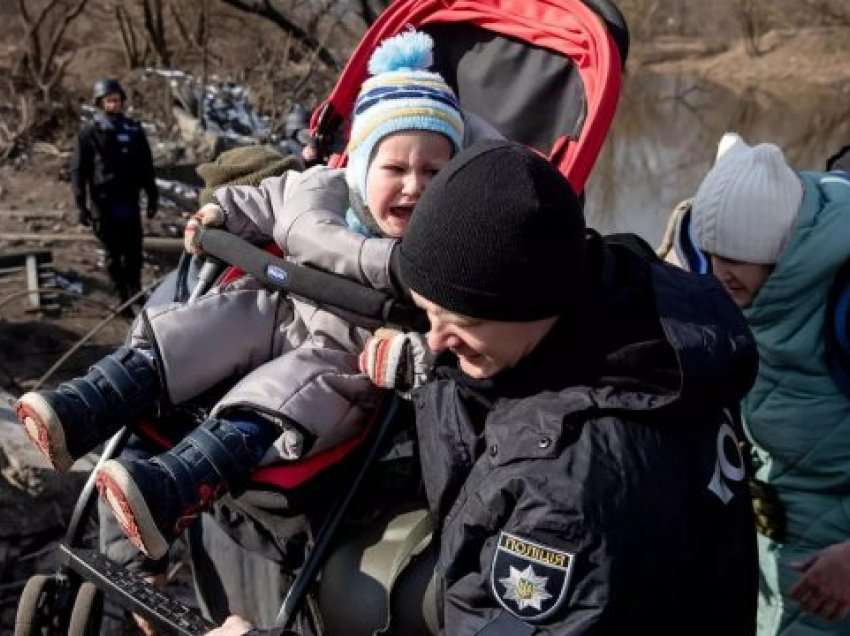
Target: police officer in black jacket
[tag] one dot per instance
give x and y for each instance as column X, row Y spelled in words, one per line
column 112, row 163
column 576, row 438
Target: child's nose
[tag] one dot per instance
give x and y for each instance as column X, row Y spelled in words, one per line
column 414, row 183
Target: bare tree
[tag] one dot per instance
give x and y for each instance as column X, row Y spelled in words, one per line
column 266, row 9
column 134, row 54
column 12, row 137
column 155, row 28
column 836, row 11
column 371, row 9
column 748, row 16
column 143, row 28
column 642, row 16
column 193, row 29
column 44, row 36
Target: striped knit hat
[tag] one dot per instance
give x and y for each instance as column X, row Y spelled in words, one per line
column 400, row 95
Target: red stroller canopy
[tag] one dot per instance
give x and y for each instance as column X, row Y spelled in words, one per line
column 546, row 73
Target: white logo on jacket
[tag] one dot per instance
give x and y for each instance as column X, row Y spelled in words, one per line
column 727, row 468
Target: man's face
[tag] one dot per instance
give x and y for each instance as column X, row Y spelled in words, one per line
column 741, row 280
column 404, row 163
column 112, row 104
column 483, row 347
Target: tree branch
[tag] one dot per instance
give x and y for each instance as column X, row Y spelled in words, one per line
column 264, row 8
column 367, row 12
column 128, row 38
column 59, row 33
column 155, row 27
column 181, row 25
column 43, row 69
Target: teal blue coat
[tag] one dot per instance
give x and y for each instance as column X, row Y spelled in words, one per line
column 795, row 415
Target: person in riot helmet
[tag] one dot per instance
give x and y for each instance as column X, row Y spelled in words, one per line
column 112, row 163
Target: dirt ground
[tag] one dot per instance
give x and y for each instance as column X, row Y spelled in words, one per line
column 31, row 342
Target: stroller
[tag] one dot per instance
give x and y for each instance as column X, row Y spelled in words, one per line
column 546, row 73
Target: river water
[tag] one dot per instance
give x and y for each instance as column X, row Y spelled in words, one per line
column 665, row 136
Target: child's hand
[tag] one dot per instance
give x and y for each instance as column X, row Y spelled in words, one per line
column 210, row 214
column 396, row 360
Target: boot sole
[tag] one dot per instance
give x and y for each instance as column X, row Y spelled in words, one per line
column 43, row 427
column 130, row 509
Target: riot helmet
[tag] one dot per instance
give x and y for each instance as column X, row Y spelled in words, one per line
column 106, row 86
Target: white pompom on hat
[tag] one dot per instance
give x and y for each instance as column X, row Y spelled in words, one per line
column 746, row 207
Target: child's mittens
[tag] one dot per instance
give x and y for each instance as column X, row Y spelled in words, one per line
column 209, row 215
column 396, row 360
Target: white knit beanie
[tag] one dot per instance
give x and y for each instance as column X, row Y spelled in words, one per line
column 746, row 206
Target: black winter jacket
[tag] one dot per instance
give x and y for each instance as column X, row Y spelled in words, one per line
column 597, row 487
column 111, row 164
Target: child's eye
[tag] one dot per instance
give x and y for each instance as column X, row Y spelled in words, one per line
column 394, row 169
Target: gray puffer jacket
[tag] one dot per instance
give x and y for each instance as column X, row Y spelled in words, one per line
column 296, row 360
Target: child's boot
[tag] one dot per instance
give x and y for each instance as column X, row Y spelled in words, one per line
column 73, row 419
column 155, row 500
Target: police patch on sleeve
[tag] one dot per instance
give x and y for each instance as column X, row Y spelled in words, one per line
column 529, row 579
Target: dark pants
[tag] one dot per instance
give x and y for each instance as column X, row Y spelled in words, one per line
column 119, row 228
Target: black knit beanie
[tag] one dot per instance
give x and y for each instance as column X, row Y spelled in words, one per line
column 497, row 235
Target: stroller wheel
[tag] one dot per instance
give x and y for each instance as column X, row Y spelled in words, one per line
column 34, row 611
column 87, row 611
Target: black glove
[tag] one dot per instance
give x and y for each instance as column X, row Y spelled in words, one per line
column 84, row 217
column 151, row 211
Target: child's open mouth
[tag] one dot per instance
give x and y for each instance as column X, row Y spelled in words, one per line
column 401, row 211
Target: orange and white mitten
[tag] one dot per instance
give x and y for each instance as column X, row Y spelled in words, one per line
column 396, row 360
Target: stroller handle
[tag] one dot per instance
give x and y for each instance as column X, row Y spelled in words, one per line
column 363, row 306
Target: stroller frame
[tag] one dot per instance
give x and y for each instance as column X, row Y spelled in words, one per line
column 131, row 592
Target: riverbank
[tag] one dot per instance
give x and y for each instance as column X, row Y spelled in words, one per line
column 790, row 61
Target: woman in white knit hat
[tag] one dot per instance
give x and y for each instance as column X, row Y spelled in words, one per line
column 776, row 239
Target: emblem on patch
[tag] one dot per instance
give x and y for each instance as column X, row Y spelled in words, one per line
column 277, row 274
column 529, row 579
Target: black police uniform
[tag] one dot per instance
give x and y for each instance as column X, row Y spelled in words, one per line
column 597, row 487
column 112, row 163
